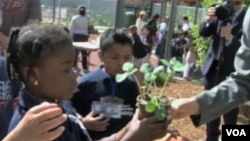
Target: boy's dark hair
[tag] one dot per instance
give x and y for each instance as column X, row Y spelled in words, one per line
column 114, row 36
column 30, row 45
column 185, row 18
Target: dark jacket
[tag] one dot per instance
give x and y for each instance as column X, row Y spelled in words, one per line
column 228, row 53
column 139, row 49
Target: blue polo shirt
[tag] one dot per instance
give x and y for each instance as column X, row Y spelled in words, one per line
column 98, row 84
column 74, row 130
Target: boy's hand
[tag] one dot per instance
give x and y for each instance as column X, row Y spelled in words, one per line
column 95, row 123
column 40, row 123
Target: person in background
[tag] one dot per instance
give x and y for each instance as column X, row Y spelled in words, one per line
column 140, row 51
column 189, row 60
column 13, row 13
column 179, row 45
column 227, row 95
column 148, row 41
column 161, row 45
column 163, row 29
column 16, row 13
column 79, row 30
column 153, row 27
column 186, row 24
column 218, row 64
column 140, row 21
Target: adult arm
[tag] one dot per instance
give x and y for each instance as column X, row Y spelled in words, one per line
column 208, row 28
column 229, row 94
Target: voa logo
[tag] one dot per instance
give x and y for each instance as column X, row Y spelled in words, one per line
column 236, row 132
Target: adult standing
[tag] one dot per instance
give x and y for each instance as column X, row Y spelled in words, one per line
column 140, row 22
column 220, row 57
column 14, row 13
column 79, row 30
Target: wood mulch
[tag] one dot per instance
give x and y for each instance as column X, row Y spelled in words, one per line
column 182, row 89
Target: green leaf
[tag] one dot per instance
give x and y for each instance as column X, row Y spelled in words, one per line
column 177, row 65
column 145, row 67
column 165, row 62
column 179, row 68
column 150, row 107
column 153, row 77
column 147, row 77
column 133, row 71
column 158, row 69
column 128, row 67
column 161, row 113
column 121, row 77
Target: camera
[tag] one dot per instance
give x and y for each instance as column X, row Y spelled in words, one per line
column 225, row 11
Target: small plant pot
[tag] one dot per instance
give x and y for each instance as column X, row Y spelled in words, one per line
column 143, row 100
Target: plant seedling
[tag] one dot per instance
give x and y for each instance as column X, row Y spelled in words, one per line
column 153, row 101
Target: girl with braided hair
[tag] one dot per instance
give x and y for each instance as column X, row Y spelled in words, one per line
column 42, row 58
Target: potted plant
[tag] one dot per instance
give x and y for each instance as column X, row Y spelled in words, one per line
column 151, row 99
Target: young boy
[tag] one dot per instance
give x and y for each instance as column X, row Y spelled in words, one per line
column 99, row 89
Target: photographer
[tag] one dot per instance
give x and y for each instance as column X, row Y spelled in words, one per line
column 225, row 29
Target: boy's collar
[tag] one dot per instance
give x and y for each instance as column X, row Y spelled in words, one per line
column 104, row 74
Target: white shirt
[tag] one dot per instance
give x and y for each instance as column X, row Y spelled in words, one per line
column 79, row 25
column 186, row 26
column 139, row 25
